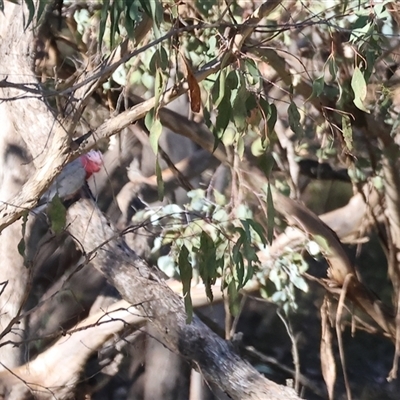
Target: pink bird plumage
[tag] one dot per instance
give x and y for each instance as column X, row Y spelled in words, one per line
column 92, row 162
column 74, row 176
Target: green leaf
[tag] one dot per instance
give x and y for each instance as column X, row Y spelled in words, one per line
column 219, row 88
column 347, row 131
column 57, row 214
column 299, row 282
column 22, row 244
column 294, row 119
column 160, row 182
column 323, row 244
column 103, row 19
column 267, row 164
column 158, row 60
column 272, row 118
column 115, row 14
column 207, row 262
column 237, row 256
column 223, row 118
column 232, row 80
column 253, row 71
column 41, row 7
column 234, row 304
column 130, row 26
column 158, row 88
column 258, row 229
column 318, row 87
column 265, row 108
column 246, row 226
column 31, row 11
column 270, row 115
column 133, row 11
column 270, row 215
column 154, row 136
column 359, row 87
column 240, row 147
column 251, row 103
column 186, row 273
column 149, row 119
column 164, row 59
column 238, row 100
column 154, row 10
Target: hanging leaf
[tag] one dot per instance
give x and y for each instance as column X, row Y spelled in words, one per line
column 273, row 116
column 238, row 100
column 318, row 87
column 253, row 71
column 299, row 282
column 41, row 7
column 223, row 118
column 269, row 114
column 130, row 26
column 103, row 19
column 234, row 304
column 149, row 119
column 294, row 119
column 158, row 89
column 270, row 215
column 219, row 88
column 158, row 60
column 232, row 79
column 240, row 147
column 207, row 262
column 347, row 131
column 31, row 12
column 258, row 229
column 237, row 257
column 117, row 8
column 154, row 136
column 164, row 59
column 186, row 274
column 160, row 182
column 57, row 214
column 359, row 87
column 22, row 244
column 154, row 10
column 194, row 88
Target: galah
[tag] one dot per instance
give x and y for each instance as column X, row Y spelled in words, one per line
column 74, row 176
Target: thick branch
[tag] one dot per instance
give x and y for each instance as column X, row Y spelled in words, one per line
column 140, row 285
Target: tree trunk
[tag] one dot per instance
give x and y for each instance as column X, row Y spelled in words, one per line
column 13, row 273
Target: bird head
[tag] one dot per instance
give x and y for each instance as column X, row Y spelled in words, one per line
column 92, row 162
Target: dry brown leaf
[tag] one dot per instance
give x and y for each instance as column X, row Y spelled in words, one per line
column 328, row 365
column 194, row 88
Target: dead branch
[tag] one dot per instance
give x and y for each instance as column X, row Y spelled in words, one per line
column 140, row 285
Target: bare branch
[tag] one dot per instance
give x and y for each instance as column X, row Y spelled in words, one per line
column 140, row 285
